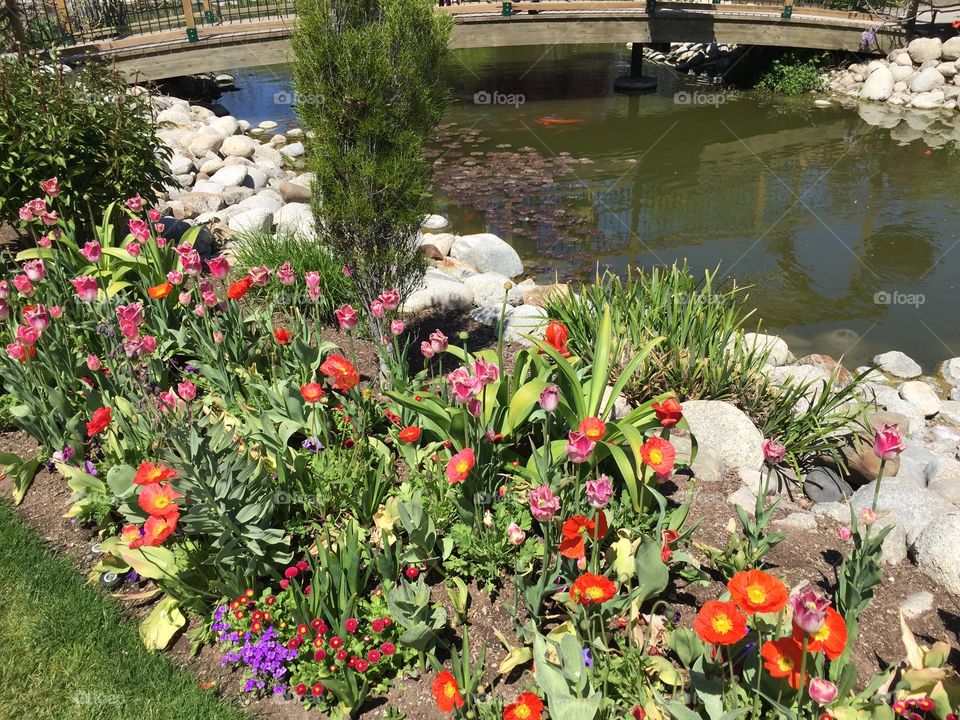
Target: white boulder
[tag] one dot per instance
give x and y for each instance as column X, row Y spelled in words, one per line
column 487, row 253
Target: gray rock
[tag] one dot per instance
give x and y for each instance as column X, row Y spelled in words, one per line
column 950, row 50
column 267, row 125
column 947, row 69
column 227, row 125
column 949, row 370
column 265, row 199
column 922, row 395
column 439, row 291
column 488, row 315
column 208, row 186
column 238, row 146
column 727, row 430
column 923, row 49
column 441, row 241
column 937, row 552
column 913, row 507
column 913, row 463
column 211, row 165
column 434, row 223
column 743, row 498
column 295, row 150
column 201, row 144
column 916, row 604
column 782, row 480
column 942, row 476
column 708, row 466
column 296, row 219
column 779, row 351
column 950, row 411
column 908, row 410
column 621, row 406
column 230, row 176
column 291, row 192
column 525, row 320
column 879, row 86
column 902, row 73
column 256, row 179
column 894, row 548
column 235, row 195
column 200, row 202
column 799, row 521
column 254, row 220
column 487, row 253
column 882, row 395
column 927, row 100
column 840, row 512
column 943, row 440
column 926, row 80
column 488, row 288
column 904, row 60
column 264, row 154
column 824, row 485
column 180, row 164
column 898, row 364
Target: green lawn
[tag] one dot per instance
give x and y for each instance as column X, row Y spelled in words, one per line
column 66, row 651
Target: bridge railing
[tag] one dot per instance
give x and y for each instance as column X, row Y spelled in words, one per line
column 45, row 24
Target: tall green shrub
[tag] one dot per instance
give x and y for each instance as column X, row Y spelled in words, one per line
column 85, row 127
column 368, row 81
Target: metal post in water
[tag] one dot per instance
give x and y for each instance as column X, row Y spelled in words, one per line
column 636, row 81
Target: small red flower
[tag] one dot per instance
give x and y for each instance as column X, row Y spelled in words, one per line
column 460, row 465
column 446, row 692
column 669, row 412
column 240, row 288
column 594, row 428
column 159, row 499
column 556, row 336
column 158, row 292
column 281, row 335
column 590, row 588
column 576, row 529
column 340, row 372
column 659, row 455
column 527, row 707
column 409, row 434
column 149, row 473
column 311, row 392
column 99, row 421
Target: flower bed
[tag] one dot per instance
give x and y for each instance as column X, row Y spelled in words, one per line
column 328, row 527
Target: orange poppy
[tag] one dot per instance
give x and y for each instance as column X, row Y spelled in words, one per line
column 755, row 591
column 99, row 421
column 658, row 454
column 311, row 392
column 446, row 692
column 527, row 707
column 157, row 528
column 590, row 588
column 149, row 473
column 159, row 499
column 160, row 291
column 720, row 623
column 556, row 336
column 831, row 637
column 240, row 288
column 409, row 434
column 594, row 428
column 340, row 372
column 460, row 465
column 782, row 659
column 669, row 412
column 575, row 529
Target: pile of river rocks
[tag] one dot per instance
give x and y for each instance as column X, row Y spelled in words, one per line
column 925, row 76
column 711, row 58
column 920, row 493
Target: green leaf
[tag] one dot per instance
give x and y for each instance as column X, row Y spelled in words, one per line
column 160, row 627
column 522, row 403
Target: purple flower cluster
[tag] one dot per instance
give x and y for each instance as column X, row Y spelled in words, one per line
column 263, row 656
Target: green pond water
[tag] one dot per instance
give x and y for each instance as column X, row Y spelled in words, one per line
column 846, row 232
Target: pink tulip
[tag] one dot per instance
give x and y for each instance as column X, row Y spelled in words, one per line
column 868, row 517
column 93, row 363
column 219, row 266
column 86, row 288
column 51, row 187
column 312, row 279
column 133, row 248
column 92, row 251
column 174, row 277
column 809, row 609
column 579, row 446
column 27, row 335
column 474, row 407
column 50, row 218
column 844, row 533
column 888, row 442
column 347, row 272
column 25, row 216
column 377, row 309
column 397, row 326
column 148, row 343
column 34, row 270
column 45, row 241
column 153, row 214
column 543, row 503
column 286, row 275
column 4, row 310
column 209, row 298
column 487, row 373
column 158, row 228
column 599, row 492
column 218, row 337
column 56, row 311
column 314, row 293
column 438, row 341
column 823, row 692
column 131, row 318
column 17, row 352
column 200, row 310
column 38, row 318
column 773, row 452
column 426, row 349
column 550, row 398
column 390, row 299
column 139, row 229
column 260, row 275
column 515, row 534
column 187, row 390
column 346, row 317
column 134, row 204
column 467, row 389
column 184, row 298
column 23, row 286
column 37, row 206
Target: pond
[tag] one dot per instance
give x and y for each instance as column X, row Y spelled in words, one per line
column 846, row 233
